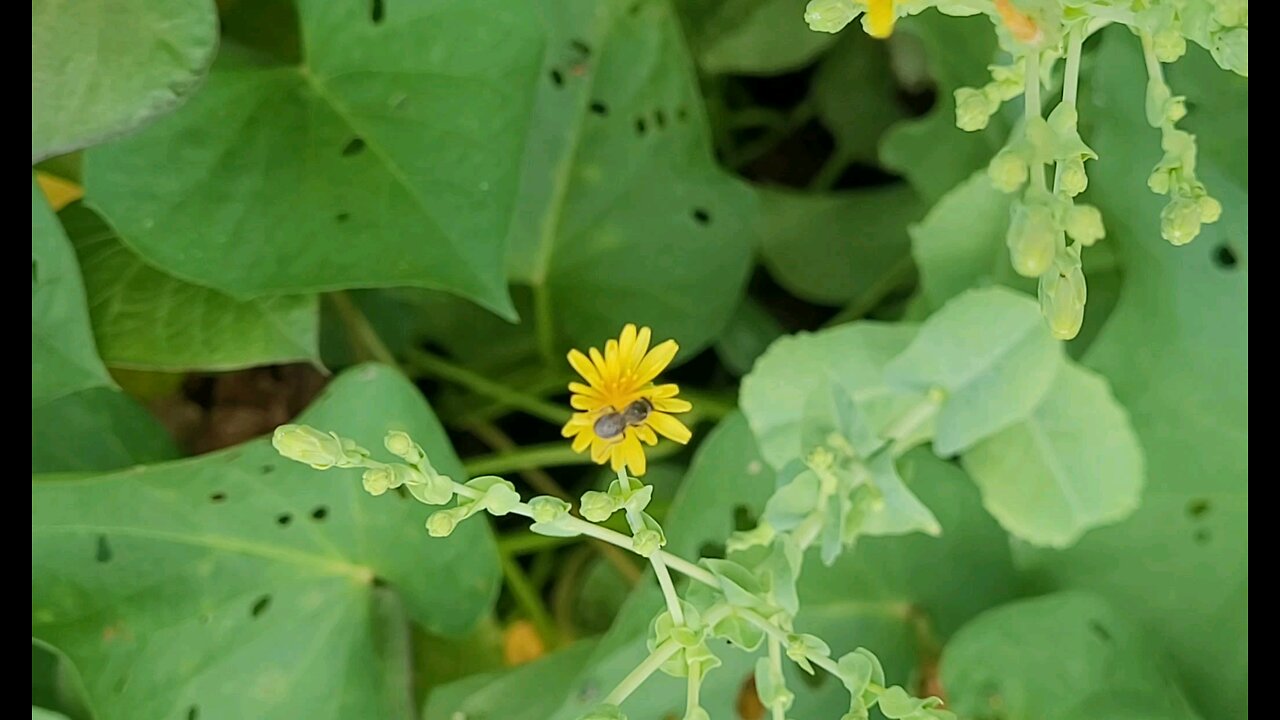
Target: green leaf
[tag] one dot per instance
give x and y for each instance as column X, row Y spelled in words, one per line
column 1073, row 465
column 623, row 215
column 529, row 691
column 64, row 359
column 1058, row 657
column 991, row 353
column 748, row 334
column 98, row 429
column 244, row 585
column 775, row 393
column 957, row 51
column 839, row 248
column 751, row 37
column 856, row 95
column 961, row 243
column 1176, row 352
column 387, row 157
column 100, row 70
column 144, row 319
column 902, row 512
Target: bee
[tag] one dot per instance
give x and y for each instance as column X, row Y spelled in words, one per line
column 611, row 425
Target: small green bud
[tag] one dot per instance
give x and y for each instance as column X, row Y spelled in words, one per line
column 320, row 450
column 1074, row 177
column 686, row 637
column 1084, row 224
column 830, row 16
column 973, row 109
column 646, row 542
column 1033, row 238
column 1175, row 109
column 1169, row 45
column 597, row 506
column 500, row 497
column 1007, row 170
column 429, row 489
column 547, row 509
column 1062, row 294
column 441, row 523
column 378, row 480
column 1180, row 221
column 1210, row 209
column 1159, row 181
column 403, row 446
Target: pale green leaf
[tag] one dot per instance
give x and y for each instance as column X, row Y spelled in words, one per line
column 240, row 584
column 623, row 215
column 145, row 319
column 990, row 351
column 64, row 359
column 1176, row 352
column 101, row 69
column 389, row 156
column 838, row 248
column 1066, row 656
column 1072, row 465
column 774, row 394
column 528, row 692
column 97, row 429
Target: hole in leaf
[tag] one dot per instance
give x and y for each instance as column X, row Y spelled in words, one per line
column 711, row 550
column 380, row 582
column 1224, row 257
column 557, row 78
column 1202, row 536
column 342, row 217
column 354, row 147
column 682, row 114
column 205, row 618
column 580, row 47
column 743, row 518
column 659, row 119
column 815, row 680
column 34, row 273
column 701, row 216
column 1100, row 631
column 267, row 469
column 121, row 684
column 320, row 513
column 1198, row 508
column 103, row 554
column 260, row 606
column 193, row 713
column 641, row 126
column 599, row 108
column 634, row 10
column 283, row 519
column 377, row 11
column 217, row 497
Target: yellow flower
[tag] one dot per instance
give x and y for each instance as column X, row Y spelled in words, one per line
column 620, row 407
column 880, row 18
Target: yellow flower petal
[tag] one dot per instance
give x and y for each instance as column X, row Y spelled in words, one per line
column 656, row 361
column 580, row 389
column 583, row 367
column 626, row 343
column 646, row 435
column 641, row 347
column 581, row 441
column 612, row 363
column 672, row 405
column 668, row 390
column 633, row 454
column 669, row 426
column 582, row 402
column 880, row 18
column 617, row 460
column 601, row 368
column 599, row 450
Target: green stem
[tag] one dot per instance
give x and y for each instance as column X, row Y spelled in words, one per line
column 1070, row 86
column 659, row 567
column 527, row 598
column 364, row 339
column 1031, row 98
column 889, row 281
column 777, row 711
column 527, row 542
column 781, row 636
column 749, row 153
column 637, row 676
column 438, row 367
column 902, row 430
column 830, row 172
column 694, row 686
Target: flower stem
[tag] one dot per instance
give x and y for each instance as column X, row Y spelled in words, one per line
column 659, row 567
column 636, row 677
column 776, row 711
column 1031, row 99
column 695, row 685
column 437, row 367
column 1070, row 85
column 365, row 342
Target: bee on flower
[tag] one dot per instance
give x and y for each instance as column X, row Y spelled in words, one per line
column 620, row 407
